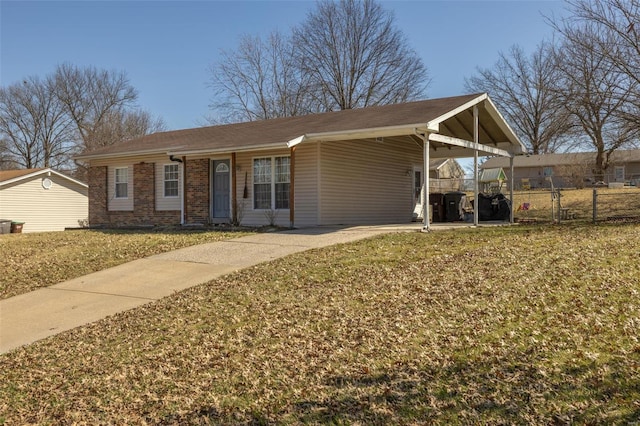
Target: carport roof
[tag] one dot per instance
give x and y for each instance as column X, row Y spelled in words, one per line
column 450, row 117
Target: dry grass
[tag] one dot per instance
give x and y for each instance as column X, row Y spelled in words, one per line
column 31, row 261
column 490, row 326
column 611, row 203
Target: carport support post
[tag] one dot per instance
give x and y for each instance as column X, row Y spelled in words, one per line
column 511, row 189
column 234, row 192
column 476, row 191
column 425, row 183
column 292, row 187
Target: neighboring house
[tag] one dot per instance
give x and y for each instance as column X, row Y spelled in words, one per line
column 445, row 175
column 45, row 200
column 574, row 169
column 346, row 167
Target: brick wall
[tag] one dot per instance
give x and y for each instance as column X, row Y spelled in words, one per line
column 98, row 195
column 143, row 213
column 198, row 190
column 144, row 197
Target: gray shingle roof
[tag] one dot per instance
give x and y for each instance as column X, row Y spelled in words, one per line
column 277, row 132
column 550, row 160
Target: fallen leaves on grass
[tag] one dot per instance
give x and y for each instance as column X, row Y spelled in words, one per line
column 492, row 326
column 31, row 261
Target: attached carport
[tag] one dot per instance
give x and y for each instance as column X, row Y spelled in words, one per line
column 471, row 127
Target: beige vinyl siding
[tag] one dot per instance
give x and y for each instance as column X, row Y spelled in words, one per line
column 61, row 206
column 244, row 167
column 162, row 202
column 367, row 182
column 120, row 204
column 306, row 185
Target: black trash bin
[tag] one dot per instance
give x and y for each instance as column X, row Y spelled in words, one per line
column 436, row 201
column 453, row 206
column 493, row 207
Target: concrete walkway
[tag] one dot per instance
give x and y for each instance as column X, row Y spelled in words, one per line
column 48, row 311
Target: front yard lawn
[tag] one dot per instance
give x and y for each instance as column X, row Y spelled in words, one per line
column 489, row 326
column 31, row 261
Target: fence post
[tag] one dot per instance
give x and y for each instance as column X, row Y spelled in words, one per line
column 595, row 205
column 558, row 195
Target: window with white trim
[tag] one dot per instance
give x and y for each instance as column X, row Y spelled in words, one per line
column 271, row 183
column 171, row 180
column 121, row 179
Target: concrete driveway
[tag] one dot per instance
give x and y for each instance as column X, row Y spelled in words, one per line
column 48, row 311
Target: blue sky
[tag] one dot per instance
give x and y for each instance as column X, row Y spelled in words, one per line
column 167, row 47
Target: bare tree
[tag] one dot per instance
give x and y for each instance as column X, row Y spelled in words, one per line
column 90, row 96
column 259, row 81
column 356, row 57
column 345, row 55
column 119, row 126
column 35, row 130
column 595, row 92
column 617, row 24
column 43, row 123
column 524, row 86
column 6, row 160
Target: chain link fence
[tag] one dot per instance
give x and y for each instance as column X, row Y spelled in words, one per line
column 553, row 205
column 545, row 202
column 594, row 205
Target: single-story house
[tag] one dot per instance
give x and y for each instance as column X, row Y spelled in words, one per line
column 572, row 169
column 358, row 166
column 43, row 199
column 445, row 174
column 445, row 168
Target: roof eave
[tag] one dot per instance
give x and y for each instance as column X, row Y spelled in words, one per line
column 47, row 171
column 366, row 133
column 262, row 147
column 504, row 126
column 89, row 156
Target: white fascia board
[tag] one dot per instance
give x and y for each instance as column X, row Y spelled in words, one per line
column 85, row 157
column 468, row 144
column 69, row 178
column 278, row 145
column 370, row 133
column 47, row 172
column 458, row 110
column 504, row 126
column 296, row 141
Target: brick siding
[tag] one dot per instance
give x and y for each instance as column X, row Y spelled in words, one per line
column 198, row 190
column 97, row 179
column 144, row 212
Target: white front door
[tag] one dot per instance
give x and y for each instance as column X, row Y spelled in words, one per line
column 618, row 173
column 418, row 193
